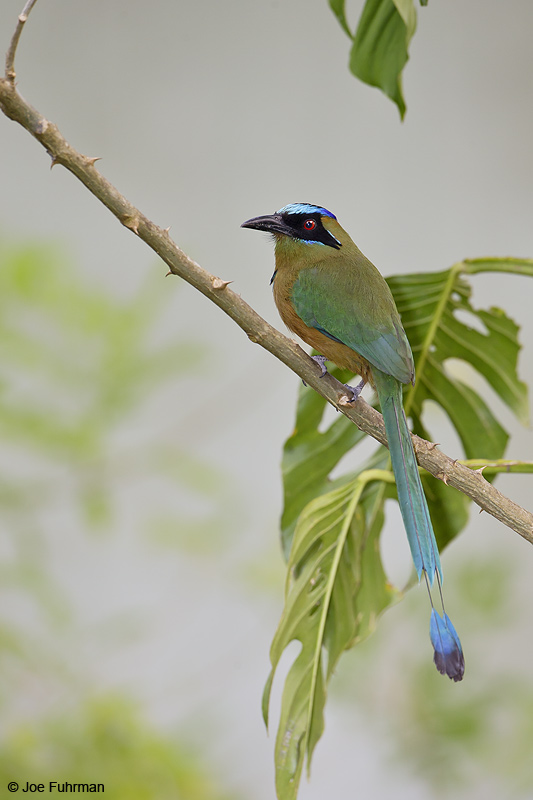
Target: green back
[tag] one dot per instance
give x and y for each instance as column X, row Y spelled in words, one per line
column 348, row 300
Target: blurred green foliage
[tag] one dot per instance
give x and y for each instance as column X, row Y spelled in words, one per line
column 75, row 363
column 77, row 366
column 80, row 375
column 106, row 741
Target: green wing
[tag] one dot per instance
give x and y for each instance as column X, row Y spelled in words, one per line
column 355, row 306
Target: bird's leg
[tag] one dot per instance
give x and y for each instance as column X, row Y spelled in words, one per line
column 355, row 391
column 320, row 361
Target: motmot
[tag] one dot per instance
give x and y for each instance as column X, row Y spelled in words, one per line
column 334, row 298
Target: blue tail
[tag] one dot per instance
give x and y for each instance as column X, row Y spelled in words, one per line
column 448, row 656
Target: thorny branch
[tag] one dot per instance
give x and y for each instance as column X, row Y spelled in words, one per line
column 10, row 56
column 453, row 473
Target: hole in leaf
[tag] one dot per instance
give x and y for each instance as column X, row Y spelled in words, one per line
column 471, row 321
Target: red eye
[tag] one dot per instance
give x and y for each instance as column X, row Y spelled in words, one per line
column 309, row 224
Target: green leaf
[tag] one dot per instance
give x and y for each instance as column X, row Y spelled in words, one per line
column 328, row 607
column 449, row 509
column 436, row 310
column 309, row 455
column 337, row 6
column 511, row 266
column 380, row 47
column 381, row 43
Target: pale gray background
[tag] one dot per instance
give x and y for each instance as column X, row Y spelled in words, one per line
column 206, row 114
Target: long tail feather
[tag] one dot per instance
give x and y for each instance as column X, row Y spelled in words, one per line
column 448, row 655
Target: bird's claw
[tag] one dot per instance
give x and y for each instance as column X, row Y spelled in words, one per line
column 320, row 361
column 354, row 391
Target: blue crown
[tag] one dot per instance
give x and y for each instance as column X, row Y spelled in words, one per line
column 305, row 208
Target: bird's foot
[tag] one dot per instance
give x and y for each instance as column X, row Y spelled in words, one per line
column 320, row 361
column 354, row 391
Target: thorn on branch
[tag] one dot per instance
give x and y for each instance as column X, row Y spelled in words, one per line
column 219, row 284
column 443, row 477
column 91, row 160
column 432, row 445
column 132, row 223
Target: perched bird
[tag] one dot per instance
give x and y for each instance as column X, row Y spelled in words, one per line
column 335, row 299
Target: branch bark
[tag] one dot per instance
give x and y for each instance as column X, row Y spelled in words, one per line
column 470, row 482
